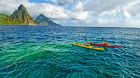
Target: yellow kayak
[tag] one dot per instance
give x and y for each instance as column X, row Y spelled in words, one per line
column 88, row 47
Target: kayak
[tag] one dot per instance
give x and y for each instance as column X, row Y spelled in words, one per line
column 87, row 47
column 107, row 45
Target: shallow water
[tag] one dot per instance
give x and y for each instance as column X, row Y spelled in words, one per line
column 45, row 52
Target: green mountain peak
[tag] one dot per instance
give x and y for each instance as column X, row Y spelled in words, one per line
column 21, row 16
column 44, row 20
column 21, row 7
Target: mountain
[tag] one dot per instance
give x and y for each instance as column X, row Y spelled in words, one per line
column 3, row 17
column 43, row 20
column 21, row 17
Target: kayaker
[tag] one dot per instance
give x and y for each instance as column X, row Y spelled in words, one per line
column 92, row 44
column 88, row 44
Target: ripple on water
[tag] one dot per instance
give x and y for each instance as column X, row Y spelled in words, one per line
column 43, row 52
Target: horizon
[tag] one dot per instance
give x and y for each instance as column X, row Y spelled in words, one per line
column 80, row 12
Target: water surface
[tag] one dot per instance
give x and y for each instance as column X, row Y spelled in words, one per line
column 45, row 52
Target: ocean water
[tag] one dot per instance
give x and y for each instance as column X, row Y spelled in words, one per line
column 46, row 52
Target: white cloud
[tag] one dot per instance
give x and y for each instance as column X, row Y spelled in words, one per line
column 126, row 15
column 123, row 11
column 102, row 5
column 79, row 12
column 47, row 9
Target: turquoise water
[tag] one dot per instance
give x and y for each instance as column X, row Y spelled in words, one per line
column 45, row 52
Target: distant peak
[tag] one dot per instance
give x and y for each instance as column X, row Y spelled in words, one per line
column 42, row 15
column 21, row 7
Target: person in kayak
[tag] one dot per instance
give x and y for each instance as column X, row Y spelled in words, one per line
column 89, row 44
column 92, row 44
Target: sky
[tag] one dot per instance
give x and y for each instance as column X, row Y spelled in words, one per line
column 122, row 13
